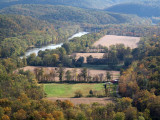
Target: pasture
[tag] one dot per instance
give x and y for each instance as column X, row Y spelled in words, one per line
column 68, row 90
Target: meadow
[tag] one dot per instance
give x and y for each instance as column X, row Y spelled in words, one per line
column 68, row 90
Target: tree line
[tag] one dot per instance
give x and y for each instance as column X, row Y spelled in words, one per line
column 60, row 74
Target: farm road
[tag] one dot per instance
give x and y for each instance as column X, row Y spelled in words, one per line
column 78, row 101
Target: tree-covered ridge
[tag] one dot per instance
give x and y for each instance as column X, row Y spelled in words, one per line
column 147, row 9
column 14, row 25
column 141, row 80
column 70, row 14
column 94, row 4
column 18, row 33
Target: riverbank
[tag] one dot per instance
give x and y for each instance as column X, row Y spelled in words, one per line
column 51, row 46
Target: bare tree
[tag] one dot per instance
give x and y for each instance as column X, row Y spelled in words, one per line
column 61, row 73
column 53, row 75
column 101, row 77
column 84, row 73
column 74, row 74
column 108, row 76
column 68, row 75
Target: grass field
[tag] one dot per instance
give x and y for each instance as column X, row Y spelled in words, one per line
column 68, row 90
column 102, row 67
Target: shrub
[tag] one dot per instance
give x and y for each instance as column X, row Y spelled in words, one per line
column 78, row 94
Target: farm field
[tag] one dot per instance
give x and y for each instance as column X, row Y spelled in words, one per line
column 68, row 90
column 109, row 40
column 85, row 55
column 92, row 71
column 77, row 101
column 103, row 67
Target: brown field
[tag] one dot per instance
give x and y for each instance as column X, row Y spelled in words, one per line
column 109, row 40
column 91, row 72
column 77, row 101
column 85, row 55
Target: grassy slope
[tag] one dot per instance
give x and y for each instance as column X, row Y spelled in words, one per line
column 68, row 90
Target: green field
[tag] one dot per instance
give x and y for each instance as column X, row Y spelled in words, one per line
column 68, row 90
column 102, row 67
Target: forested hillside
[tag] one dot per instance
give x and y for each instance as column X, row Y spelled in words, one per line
column 141, row 9
column 141, row 80
column 17, row 33
column 96, row 4
column 70, row 14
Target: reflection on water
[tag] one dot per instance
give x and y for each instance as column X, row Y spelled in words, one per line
column 78, row 35
column 52, row 46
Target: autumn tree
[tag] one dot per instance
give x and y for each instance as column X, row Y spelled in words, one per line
column 108, row 76
column 20, row 115
column 68, row 75
column 53, row 74
column 84, row 73
column 74, row 74
column 61, row 73
column 119, row 116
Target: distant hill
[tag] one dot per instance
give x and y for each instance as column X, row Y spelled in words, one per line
column 70, row 14
column 143, row 10
column 96, row 4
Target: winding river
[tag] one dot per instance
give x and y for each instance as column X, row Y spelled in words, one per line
column 52, row 46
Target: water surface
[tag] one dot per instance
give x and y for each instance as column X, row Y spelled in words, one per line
column 52, row 46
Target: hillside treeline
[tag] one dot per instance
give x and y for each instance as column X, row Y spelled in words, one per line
column 146, row 9
column 124, row 29
column 141, row 80
column 94, row 4
column 70, row 14
column 18, row 33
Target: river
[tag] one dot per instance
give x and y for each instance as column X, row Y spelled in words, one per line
column 52, row 46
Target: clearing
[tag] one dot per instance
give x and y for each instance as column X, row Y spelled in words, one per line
column 68, row 90
column 109, row 40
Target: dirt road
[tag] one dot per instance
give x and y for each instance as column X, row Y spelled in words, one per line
column 78, row 101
